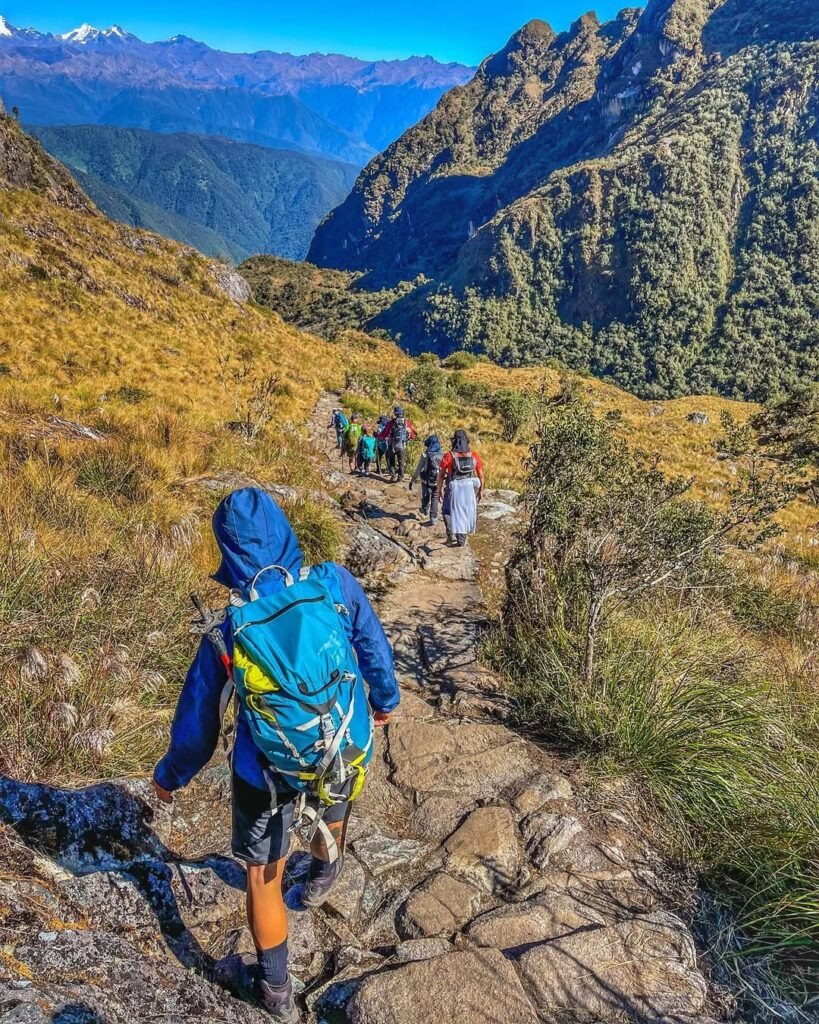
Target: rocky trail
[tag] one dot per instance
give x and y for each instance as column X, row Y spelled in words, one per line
column 483, row 885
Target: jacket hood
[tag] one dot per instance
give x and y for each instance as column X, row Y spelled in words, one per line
column 252, row 533
column 433, row 444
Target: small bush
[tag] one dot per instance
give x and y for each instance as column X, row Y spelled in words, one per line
column 114, row 473
column 514, row 409
column 130, row 394
column 428, row 359
column 460, row 361
column 430, row 385
column 765, row 608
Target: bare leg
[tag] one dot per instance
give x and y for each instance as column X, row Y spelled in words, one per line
column 266, row 915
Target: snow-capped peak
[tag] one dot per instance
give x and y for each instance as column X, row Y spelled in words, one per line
column 7, row 30
column 84, row 34
column 115, row 32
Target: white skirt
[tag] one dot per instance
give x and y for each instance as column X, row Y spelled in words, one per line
column 463, row 505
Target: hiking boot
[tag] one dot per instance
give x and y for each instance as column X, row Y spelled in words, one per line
column 279, row 1002
column 242, row 976
column 317, row 889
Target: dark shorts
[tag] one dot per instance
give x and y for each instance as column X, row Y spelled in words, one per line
column 262, row 823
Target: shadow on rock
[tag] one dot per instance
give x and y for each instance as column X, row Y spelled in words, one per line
column 102, row 836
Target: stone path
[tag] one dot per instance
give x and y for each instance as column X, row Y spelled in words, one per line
column 480, row 887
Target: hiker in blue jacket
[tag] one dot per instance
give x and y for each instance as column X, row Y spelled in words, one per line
column 253, row 533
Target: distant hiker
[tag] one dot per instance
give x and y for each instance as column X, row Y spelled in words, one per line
column 351, row 437
column 338, row 423
column 398, row 433
column 298, row 643
column 427, row 472
column 461, row 473
column 411, row 390
column 381, row 447
column 366, row 452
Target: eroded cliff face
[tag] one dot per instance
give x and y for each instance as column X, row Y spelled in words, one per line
column 607, row 196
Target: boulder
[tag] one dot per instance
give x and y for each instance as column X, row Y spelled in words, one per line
column 546, row 835
column 440, row 906
column 643, row 968
column 371, row 552
column 474, row 987
column 230, row 282
column 485, row 850
column 345, row 896
column 698, row 418
column 543, row 790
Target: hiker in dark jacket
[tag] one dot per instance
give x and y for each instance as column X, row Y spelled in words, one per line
column 253, row 533
column 382, row 449
column 398, row 433
column 427, row 472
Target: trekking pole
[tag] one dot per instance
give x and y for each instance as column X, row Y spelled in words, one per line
column 208, row 625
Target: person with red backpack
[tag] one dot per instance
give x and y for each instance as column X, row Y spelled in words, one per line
column 460, row 487
column 398, row 433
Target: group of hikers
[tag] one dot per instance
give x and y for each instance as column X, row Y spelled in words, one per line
column 303, row 657
column 451, row 482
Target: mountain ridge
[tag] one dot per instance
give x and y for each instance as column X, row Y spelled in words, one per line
column 598, row 196
column 350, row 108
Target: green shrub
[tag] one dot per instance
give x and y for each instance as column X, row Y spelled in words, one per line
column 765, row 608
column 514, row 409
column 428, row 359
column 430, row 385
column 460, row 361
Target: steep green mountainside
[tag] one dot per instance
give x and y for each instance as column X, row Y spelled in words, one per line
column 222, row 197
column 638, row 198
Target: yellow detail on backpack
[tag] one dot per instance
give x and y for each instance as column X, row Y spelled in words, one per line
column 255, row 679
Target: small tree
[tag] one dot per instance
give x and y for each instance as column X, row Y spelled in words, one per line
column 788, row 432
column 514, row 409
column 606, row 526
column 251, row 393
column 430, row 384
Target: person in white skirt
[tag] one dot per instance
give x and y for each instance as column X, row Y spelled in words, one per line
column 460, row 487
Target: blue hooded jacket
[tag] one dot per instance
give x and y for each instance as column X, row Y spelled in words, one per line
column 253, row 533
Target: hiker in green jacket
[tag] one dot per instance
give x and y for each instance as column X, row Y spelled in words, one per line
column 351, row 437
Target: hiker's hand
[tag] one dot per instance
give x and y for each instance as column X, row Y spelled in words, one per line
column 161, row 793
column 381, row 718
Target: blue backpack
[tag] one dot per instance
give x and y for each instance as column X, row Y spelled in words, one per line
column 298, row 680
column 340, row 421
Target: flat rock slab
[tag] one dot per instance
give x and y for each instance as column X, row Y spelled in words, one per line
column 474, row 987
column 370, row 552
column 421, row 949
column 381, row 854
column 441, row 906
column 345, row 896
column 485, row 850
column 474, row 761
column 518, row 927
column 643, row 968
column 449, row 645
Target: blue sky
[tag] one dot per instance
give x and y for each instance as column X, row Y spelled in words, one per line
column 447, row 29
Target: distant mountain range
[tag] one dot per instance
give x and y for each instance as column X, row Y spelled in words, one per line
column 224, row 198
column 639, row 198
column 330, row 105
